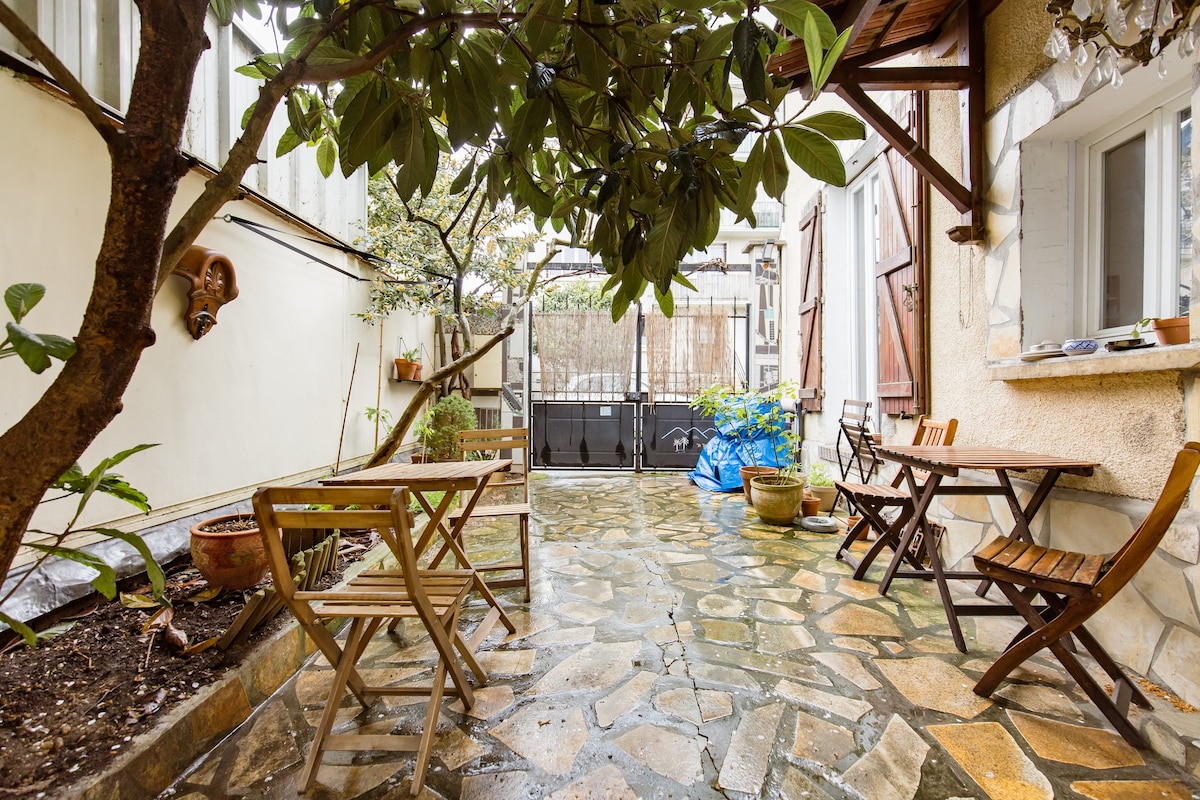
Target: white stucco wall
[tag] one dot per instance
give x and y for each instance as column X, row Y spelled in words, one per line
column 257, row 400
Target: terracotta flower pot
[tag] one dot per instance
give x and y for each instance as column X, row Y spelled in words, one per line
column 853, row 520
column 407, row 370
column 776, row 499
column 1175, row 330
column 749, row 472
column 230, row 559
column 827, row 495
column 809, row 507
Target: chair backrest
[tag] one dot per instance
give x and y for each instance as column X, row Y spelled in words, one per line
column 345, row 507
column 855, row 427
column 499, row 440
column 1125, row 563
column 929, row 433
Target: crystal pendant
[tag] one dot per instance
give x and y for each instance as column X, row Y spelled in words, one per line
column 1155, row 46
column 1187, row 43
column 1114, row 19
column 1145, row 15
column 1053, row 46
column 1106, row 63
column 1162, row 68
column 1166, row 16
column 1117, row 79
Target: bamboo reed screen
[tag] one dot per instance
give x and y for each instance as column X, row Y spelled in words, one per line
column 585, row 355
column 689, row 352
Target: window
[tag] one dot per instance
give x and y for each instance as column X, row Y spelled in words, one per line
column 1137, row 253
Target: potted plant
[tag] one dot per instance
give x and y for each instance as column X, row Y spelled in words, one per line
column 1174, row 330
column 408, row 365
column 733, row 413
column 228, row 551
column 820, row 483
column 770, row 440
column 440, row 427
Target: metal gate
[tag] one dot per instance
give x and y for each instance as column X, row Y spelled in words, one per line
column 610, row 395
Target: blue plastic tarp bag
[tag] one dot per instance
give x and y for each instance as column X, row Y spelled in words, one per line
column 721, row 458
column 717, row 467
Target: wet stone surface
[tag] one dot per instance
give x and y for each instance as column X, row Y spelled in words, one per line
column 678, row 648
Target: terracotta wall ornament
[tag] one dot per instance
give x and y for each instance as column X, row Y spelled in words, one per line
column 213, row 284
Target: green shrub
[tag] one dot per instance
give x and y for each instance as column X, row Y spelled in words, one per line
column 440, row 427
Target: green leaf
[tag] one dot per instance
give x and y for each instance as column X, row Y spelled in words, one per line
column 812, row 46
column 248, row 113
column 746, row 37
column 463, row 178
column 815, row 154
column 105, row 582
column 27, row 633
column 542, row 24
column 752, row 175
column 792, row 14
column 58, row 346
column 326, row 156
column 250, row 70
column 22, row 297
column 831, row 59
column 541, row 78
column 682, row 280
column 158, row 580
column 836, row 125
column 288, row 142
column 138, row 601
column 666, row 302
column 29, row 346
column 775, row 168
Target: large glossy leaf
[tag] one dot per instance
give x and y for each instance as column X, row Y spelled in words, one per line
column 154, row 572
column 27, row 633
column 836, row 125
column 831, row 59
column 105, row 582
column 775, row 168
column 29, row 347
column 22, row 297
column 815, row 154
column 792, row 13
column 746, row 37
column 326, row 156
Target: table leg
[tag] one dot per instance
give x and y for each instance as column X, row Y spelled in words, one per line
column 922, row 497
column 455, row 543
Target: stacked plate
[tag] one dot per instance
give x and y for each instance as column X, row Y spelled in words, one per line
column 1046, row 349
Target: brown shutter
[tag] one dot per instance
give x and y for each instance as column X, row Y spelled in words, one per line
column 810, row 307
column 900, row 281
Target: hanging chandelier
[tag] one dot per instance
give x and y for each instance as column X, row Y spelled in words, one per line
column 1097, row 34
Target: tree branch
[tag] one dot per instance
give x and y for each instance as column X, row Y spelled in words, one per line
column 32, row 42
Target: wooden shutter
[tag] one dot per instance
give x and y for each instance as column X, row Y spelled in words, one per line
column 810, row 307
column 900, row 277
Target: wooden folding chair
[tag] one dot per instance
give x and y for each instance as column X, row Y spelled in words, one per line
column 498, row 440
column 1075, row 586
column 375, row 597
column 871, row 499
column 854, row 427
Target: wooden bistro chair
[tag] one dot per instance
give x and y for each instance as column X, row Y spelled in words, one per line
column 369, row 600
column 1075, row 586
column 496, row 440
column 854, row 427
column 871, row 499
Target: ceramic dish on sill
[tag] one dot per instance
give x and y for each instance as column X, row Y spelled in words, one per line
column 1120, row 345
column 1080, row 347
column 1038, row 355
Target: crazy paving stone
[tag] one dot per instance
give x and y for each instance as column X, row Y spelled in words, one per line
column 1040, row 700
column 858, row 645
column 798, row 785
column 895, row 648
column 454, row 748
column 594, row 590
column 680, row 631
column 891, row 770
column 680, row 558
column 492, row 785
column 745, row 766
column 666, row 752
column 548, row 735
column 346, row 781
column 844, row 707
column 768, row 610
column 638, row 614
column 933, row 644
column 701, row 572
column 933, row 683
column 849, row 667
column 583, row 612
column 719, row 606
column 650, row 595
column 777, row 639
column 1132, row 790
column 606, row 783
column 597, row 666
column 791, row 596
column 766, row 573
column 609, row 708
column 820, row 741
column 597, row 560
column 820, row 603
column 772, row 665
column 725, row 676
column 994, row 760
column 582, row 635
column 809, row 580
column 695, row 706
column 526, row 624
column 698, row 586
column 855, row 620
column 744, row 561
column 312, row 686
column 723, row 630
column 858, row 590
column 489, row 701
column 1075, row 744
column 267, row 748
column 507, row 662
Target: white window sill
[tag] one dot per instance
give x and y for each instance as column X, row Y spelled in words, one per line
column 1150, row 359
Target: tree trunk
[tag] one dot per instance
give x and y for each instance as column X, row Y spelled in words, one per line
column 147, row 167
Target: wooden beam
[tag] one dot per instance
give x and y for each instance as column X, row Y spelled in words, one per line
column 895, row 135
column 854, row 17
column 919, row 79
column 888, row 52
column 970, row 110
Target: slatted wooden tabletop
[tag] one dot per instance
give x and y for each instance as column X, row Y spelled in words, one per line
column 410, row 474
column 940, row 459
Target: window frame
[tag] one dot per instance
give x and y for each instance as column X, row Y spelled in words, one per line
column 1159, row 122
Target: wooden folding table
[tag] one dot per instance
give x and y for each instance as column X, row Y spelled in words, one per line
column 946, row 462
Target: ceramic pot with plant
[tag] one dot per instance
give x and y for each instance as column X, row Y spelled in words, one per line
column 777, row 498
column 1175, row 330
column 229, row 551
column 408, row 365
column 820, row 483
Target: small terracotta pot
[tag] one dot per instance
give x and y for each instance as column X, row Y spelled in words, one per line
column 749, row 472
column 810, row 507
column 407, row 370
column 1175, row 330
column 853, row 520
column 229, row 559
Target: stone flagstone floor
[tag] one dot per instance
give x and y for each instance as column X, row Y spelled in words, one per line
column 677, row 648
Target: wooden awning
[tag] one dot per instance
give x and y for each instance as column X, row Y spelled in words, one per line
column 882, row 30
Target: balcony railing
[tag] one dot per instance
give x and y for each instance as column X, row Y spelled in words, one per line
column 768, row 214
